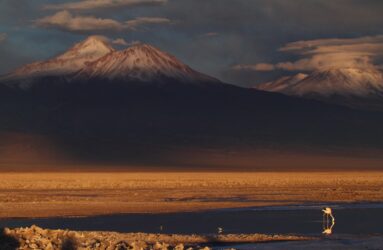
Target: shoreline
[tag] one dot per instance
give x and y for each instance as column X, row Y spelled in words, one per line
column 293, row 206
column 36, row 237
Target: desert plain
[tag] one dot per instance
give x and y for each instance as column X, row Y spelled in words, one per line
column 98, row 193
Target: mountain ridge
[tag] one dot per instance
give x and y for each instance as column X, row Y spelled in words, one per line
column 66, row 63
column 337, row 85
column 95, row 59
column 165, row 119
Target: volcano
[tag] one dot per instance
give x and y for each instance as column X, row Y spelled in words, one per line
column 141, row 106
column 353, row 87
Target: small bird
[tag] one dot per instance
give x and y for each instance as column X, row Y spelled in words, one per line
column 220, row 230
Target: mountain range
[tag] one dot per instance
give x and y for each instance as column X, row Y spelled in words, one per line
column 354, row 87
column 94, row 59
column 94, row 105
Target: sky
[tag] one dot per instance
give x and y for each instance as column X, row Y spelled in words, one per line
column 243, row 42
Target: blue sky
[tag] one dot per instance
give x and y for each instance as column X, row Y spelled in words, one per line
column 212, row 36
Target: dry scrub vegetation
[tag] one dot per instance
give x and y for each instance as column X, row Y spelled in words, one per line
column 64, row 194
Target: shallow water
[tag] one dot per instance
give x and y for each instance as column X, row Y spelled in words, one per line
column 351, row 219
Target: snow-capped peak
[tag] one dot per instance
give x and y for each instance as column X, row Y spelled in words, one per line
column 361, row 82
column 67, row 63
column 92, row 48
column 141, row 62
column 95, row 58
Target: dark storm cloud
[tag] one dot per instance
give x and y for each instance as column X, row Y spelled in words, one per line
column 248, row 31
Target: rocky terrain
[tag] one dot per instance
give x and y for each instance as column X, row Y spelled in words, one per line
column 38, row 238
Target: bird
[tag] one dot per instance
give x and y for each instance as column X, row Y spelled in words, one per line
column 327, row 229
column 328, row 212
column 220, row 230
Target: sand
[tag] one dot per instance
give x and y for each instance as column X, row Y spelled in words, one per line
column 84, row 194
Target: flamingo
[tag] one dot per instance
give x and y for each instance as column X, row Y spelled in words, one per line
column 327, row 229
column 328, row 212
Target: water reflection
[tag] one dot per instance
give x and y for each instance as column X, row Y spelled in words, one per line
column 326, row 224
column 351, row 219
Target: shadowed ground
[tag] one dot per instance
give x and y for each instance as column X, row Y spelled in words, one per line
column 8, row 242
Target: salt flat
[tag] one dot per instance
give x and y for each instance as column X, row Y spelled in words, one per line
column 38, row 238
column 83, row 194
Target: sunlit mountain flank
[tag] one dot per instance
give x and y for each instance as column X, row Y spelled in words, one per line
column 98, row 104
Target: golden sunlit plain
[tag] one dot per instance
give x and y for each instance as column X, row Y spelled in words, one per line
column 80, row 194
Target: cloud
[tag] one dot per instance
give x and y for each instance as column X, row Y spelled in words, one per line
column 323, row 54
column 3, row 37
column 64, row 20
column 308, row 45
column 101, row 4
column 120, row 41
column 322, row 61
column 254, row 67
column 123, row 42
